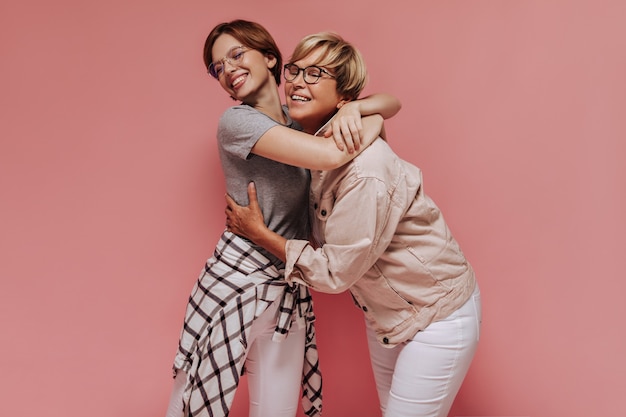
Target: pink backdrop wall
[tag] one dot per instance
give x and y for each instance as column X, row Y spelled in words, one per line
column 112, row 197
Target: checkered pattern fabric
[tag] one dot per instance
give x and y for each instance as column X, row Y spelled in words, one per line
column 237, row 285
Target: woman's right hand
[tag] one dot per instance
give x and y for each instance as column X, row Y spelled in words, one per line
column 346, row 127
column 246, row 221
column 350, row 127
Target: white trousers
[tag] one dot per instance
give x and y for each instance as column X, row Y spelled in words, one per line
column 274, row 370
column 421, row 377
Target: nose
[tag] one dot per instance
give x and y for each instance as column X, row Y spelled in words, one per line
column 228, row 66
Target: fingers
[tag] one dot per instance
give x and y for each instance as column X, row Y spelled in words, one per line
column 352, row 128
column 227, row 224
column 347, row 130
column 252, row 197
column 337, row 137
column 344, row 137
column 231, row 205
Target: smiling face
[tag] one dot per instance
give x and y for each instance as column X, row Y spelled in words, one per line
column 246, row 77
column 312, row 105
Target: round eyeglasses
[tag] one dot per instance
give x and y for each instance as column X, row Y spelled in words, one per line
column 311, row 74
column 233, row 57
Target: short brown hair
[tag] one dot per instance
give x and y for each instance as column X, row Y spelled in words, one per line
column 339, row 56
column 251, row 35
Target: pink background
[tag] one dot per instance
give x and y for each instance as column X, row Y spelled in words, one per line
column 112, row 195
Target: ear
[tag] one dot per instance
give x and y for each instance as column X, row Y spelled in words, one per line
column 270, row 60
column 342, row 102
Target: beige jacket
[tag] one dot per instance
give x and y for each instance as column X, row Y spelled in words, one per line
column 384, row 240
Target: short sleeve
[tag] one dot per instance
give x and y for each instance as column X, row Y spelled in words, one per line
column 239, row 129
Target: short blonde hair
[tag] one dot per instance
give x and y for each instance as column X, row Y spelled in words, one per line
column 340, row 57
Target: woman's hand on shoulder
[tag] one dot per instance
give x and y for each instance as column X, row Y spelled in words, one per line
column 346, row 127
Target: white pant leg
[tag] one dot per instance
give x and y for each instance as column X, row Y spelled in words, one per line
column 274, row 369
column 175, row 407
column 383, row 362
column 430, row 368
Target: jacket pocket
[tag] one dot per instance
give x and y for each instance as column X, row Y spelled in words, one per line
column 324, row 206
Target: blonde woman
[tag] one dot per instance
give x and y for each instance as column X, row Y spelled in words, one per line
column 377, row 234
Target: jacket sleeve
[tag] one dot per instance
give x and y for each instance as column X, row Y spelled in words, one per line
column 358, row 230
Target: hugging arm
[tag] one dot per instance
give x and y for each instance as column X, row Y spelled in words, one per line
column 293, row 147
column 355, row 239
column 346, row 124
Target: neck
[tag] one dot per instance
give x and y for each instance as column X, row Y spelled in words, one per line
column 267, row 101
column 312, row 123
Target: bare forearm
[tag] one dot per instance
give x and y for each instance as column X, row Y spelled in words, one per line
column 384, row 104
column 291, row 147
column 372, row 128
column 271, row 241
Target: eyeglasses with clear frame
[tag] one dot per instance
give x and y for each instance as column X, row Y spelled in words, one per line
column 311, row 74
column 233, row 57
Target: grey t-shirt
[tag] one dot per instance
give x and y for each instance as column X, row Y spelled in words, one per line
column 282, row 190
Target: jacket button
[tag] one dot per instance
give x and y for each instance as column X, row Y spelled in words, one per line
column 323, row 212
column 385, row 340
column 364, row 308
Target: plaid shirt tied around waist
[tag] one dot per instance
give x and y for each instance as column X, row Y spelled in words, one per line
column 237, row 285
